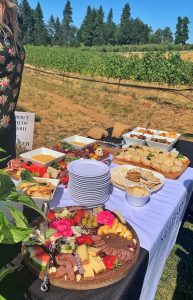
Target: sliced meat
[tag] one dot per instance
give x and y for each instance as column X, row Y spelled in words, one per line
column 60, row 272
column 70, row 271
column 96, row 238
column 130, row 255
column 61, row 259
column 109, row 251
column 104, row 248
column 115, row 252
column 100, row 243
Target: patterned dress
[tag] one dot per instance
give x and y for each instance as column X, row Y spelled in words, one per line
column 11, row 69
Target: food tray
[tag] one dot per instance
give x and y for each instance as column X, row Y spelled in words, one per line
column 168, row 175
column 103, row 279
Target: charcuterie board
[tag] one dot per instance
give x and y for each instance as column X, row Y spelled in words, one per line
column 127, row 252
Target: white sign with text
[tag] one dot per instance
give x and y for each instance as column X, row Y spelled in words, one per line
column 25, row 129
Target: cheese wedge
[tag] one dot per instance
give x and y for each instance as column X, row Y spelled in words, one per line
column 88, row 272
column 82, row 251
column 93, row 251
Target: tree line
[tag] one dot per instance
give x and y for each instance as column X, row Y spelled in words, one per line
column 95, row 30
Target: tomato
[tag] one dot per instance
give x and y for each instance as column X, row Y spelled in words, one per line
column 109, row 261
column 51, row 215
column 84, row 239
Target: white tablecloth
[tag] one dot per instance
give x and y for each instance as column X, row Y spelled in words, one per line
column 157, row 223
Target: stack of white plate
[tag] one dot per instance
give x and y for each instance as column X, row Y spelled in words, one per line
column 89, row 182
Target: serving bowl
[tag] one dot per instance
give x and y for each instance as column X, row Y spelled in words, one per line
column 137, row 200
column 79, row 142
column 28, row 156
column 129, row 140
column 161, row 146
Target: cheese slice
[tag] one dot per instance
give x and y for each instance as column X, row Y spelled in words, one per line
column 88, row 272
column 82, row 251
column 96, row 265
column 93, row 251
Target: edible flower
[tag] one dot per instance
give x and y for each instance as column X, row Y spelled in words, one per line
column 62, row 227
column 105, row 217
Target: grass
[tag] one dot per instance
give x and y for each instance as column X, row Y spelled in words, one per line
column 177, row 279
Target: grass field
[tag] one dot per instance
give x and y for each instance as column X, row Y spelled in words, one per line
column 74, row 106
column 70, row 107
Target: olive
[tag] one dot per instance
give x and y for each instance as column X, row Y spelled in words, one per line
column 29, row 163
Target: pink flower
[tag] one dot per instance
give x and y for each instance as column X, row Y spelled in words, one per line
column 3, row 99
column 2, row 59
column 12, row 51
column 62, row 227
column 105, row 217
column 5, row 121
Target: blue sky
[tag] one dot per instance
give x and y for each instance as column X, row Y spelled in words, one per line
column 156, row 13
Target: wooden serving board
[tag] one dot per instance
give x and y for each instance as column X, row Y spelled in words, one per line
column 101, row 280
column 168, row 175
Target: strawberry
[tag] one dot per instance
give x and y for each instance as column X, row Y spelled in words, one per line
column 84, row 239
column 111, row 262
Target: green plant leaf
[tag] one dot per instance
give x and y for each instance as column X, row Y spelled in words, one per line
column 2, row 150
column 11, row 234
column 7, row 271
column 20, row 219
column 8, row 192
column 2, row 298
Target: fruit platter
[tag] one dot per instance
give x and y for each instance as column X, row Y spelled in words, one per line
column 80, row 248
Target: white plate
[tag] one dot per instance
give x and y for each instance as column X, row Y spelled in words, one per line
column 79, row 139
column 88, row 168
column 130, row 167
column 58, row 156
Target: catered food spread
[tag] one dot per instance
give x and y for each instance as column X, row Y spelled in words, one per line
column 93, row 248
column 170, row 164
column 57, row 169
column 123, row 176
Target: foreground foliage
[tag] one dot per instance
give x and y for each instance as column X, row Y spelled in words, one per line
column 152, row 67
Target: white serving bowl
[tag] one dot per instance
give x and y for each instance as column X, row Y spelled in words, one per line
column 58, row 156
column 137, row 200
column 134, row 141
column 161, row 146
column 79, row 139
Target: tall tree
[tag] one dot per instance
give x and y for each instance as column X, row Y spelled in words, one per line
column 27, row 23
column 124, row 29
column 86, row 32
column 185, row 29
column 182, row 30
column 40, row 30
column 110, row 29
column 69, row 30
column 58, row 33
column 51, row 28
column 99, row 36
column 179, row 31
column 167, row 35
column 139, row 32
